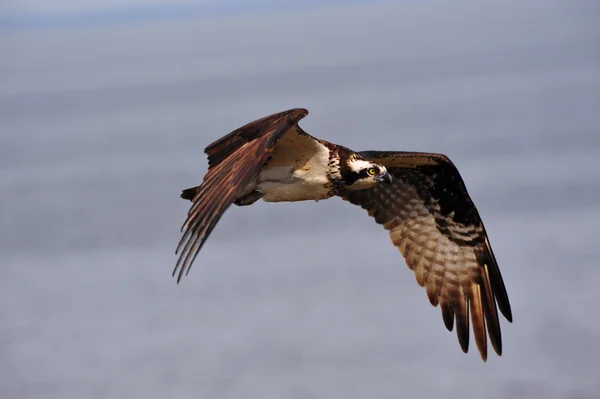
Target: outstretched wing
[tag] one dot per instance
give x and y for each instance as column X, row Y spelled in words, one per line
column 436, row 227
column 233, row 162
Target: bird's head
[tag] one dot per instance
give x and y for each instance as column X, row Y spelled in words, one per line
column 359, row 174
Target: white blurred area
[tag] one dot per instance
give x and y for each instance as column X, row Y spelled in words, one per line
column 69, row 6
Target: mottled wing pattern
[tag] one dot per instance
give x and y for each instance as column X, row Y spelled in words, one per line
column 436, row 227
column 234, row 161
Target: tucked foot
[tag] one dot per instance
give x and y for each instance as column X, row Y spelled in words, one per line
column 248, row 199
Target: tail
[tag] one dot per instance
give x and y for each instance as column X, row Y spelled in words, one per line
column 189, row 193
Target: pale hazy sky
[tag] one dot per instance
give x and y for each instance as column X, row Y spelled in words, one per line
column 64, row 6
column 26, row 14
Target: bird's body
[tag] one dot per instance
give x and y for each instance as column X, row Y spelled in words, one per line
column 297, row 171
column 419, row 198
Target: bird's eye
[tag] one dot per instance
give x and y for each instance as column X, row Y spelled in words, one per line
column 371, row 171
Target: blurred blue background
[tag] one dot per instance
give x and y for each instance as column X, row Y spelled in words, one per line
column 106, row 106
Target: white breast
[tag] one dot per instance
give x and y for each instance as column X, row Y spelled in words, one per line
column 297, row 171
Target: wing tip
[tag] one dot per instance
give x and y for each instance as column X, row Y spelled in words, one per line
column 464, row 344
column 504, row 305
column 496, row 280
column 447, row 316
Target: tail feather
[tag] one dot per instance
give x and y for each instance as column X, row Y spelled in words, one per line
column 189, row 193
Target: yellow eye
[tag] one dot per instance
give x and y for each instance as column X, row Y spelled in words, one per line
column 371, row 171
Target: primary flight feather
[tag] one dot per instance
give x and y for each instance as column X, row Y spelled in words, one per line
column 420, row 198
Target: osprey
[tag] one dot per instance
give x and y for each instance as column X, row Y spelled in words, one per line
column 420, row 198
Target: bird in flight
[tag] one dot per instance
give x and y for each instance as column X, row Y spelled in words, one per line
column 420, row 198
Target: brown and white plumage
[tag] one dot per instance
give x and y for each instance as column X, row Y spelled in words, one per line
column 233, row 162
column 419, row 197
column 436, row 227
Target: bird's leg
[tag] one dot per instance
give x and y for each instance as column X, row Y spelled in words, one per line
column 248, row 199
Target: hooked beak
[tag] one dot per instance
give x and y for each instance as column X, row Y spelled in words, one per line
column 386, row 179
